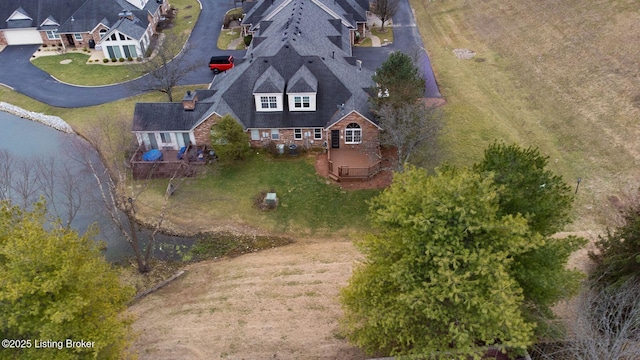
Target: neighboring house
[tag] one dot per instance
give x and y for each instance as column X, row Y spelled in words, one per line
column 173, row 125
column 352, row 13
column 180, row 130
column 121, row 28
column 298, row 85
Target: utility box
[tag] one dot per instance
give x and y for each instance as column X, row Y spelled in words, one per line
column 271, row 200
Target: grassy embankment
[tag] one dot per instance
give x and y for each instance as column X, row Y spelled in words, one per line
column 80, row 72
column 561, row 76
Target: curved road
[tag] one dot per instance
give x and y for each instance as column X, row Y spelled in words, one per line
column 18, row 72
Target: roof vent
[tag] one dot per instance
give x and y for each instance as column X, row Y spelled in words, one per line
column 266, row 61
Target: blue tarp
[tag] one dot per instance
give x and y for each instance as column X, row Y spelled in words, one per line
column 152, row 155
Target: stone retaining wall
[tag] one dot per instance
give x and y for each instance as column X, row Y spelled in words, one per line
column 53, row 121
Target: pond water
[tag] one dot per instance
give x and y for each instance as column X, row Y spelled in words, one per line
column 28, row 142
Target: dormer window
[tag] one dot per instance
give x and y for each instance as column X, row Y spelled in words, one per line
column 302, row 90
column 268, row 91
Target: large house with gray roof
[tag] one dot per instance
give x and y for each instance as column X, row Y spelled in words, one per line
column 120, row 28
column 298, row 85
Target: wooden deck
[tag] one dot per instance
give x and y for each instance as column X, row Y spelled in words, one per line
column 169, row 165
column 350, row 164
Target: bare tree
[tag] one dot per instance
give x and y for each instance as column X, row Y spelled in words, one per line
column 7, row 165
column 385, row 9
column 409, row 127
column 117, row 188
column 25, row 184
column 167, row 65
column 61, row 186
column 606, row 325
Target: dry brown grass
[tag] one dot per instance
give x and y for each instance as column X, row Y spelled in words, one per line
column 277, row 304
column 559, row 75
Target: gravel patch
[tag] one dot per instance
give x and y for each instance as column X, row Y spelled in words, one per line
column 464, row 54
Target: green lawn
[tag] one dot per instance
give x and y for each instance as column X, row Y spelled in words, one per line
column 228, row 35
column 79, row 72
column 226, row 197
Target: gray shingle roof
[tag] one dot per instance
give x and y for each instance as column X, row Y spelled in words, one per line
column 306, row 26
column 133, row 28
column 171, row 116
column 269, row 82
column 73, row 15
column 302, row 47
column 38, row 10
column 338, row 82
column 303, row 81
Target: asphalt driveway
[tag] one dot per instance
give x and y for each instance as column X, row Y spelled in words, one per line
column 17, row 72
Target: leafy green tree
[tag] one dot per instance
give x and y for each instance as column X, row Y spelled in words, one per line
column 527, row 188
column 55, row 285
column 618, row 252
column 398, row 82
column 437, row 274
column 531, row 190
column 229, row 140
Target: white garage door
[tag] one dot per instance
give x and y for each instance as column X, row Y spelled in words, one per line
column 22, row 37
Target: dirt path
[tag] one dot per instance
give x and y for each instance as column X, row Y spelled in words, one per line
column 276, row 304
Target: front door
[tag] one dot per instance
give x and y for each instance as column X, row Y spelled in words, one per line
column 70, row 39
column 152, row 141
column 335, row 139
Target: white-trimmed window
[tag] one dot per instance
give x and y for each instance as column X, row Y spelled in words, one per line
column 317, row 134
column 165, row 138
column 52, row 35
column 353, row 134
column 297, row 134
column 268, row 102
column 255, row 134
column 300, row 102
column 77, row 37
column 102, row 33
column 275, row 134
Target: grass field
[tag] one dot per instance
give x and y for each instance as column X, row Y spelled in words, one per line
column 561, row 76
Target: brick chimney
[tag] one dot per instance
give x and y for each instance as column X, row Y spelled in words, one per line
column 189, row 101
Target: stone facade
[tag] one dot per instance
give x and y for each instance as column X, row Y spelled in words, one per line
column 202, row 132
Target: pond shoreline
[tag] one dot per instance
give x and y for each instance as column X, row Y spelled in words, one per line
column 49, row 120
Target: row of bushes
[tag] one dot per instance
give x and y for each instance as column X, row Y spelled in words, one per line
column 120, row 59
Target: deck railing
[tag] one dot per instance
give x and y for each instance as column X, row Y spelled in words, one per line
column 350, row 172
column 169, row 166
